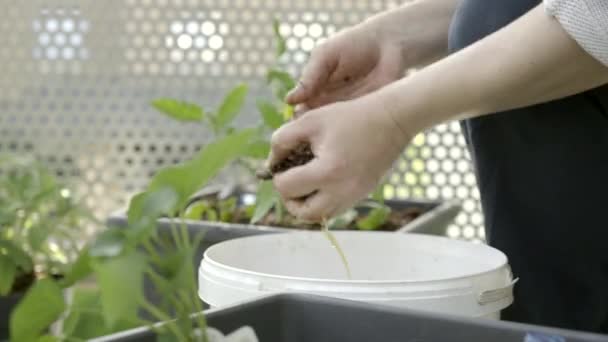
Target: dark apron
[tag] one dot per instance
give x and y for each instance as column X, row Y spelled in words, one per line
column 543, row 177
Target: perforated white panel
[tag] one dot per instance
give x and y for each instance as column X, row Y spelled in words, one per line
column 78, row 77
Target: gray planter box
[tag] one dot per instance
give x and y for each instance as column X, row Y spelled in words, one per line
column 306, row 318
column 435, row 220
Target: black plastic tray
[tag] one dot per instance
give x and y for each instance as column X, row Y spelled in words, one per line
column 307, row 318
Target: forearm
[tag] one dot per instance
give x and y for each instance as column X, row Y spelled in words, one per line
column 420, row 28
column 531, row 61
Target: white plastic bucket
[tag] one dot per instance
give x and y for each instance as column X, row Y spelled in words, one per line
column 406, row 270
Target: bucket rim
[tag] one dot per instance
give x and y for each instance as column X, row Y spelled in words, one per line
column 361, row 282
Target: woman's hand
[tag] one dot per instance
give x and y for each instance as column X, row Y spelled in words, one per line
column 366, row 57
column 355, row 143
column 350, row 64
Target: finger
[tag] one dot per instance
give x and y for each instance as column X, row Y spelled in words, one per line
column 322, row 63
column 287, row 138
column 355, row 90
column 300, row 109
column 315, row 208
column 300, row 181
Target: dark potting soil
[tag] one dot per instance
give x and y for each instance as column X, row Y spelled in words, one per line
column 396, row 220
column 298, row 157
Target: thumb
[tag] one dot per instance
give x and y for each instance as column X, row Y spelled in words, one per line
column 323, row 62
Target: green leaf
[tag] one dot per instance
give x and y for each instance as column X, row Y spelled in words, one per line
column 272, row 117
column 48, row 338
column 153, row 204
column 266, row 198
column 83, row 321
column 288, row 112
column 227, row 208
column 166, row 335
column 81, row 268
column 8, row 270
column 374, row 219
column 182, row 111
column 41, row 306
column 136, row 208
column 14, row 252
column 378, row 194
column 249, row 211
column 196, row 210
column 211, row 215
column 37, row 236
column 231, row 106
column 279, row 210
column 189, row 177
column 108, row 243
column 176, row 268
column 8, row 216
column 280, row 76
column 279, row 39
column 258, row 149
column 120, row 280
column 282, row 80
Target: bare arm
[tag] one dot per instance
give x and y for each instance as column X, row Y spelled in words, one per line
column 355, row 142
column 531, row 61
column 423, row 24
column 366, row 57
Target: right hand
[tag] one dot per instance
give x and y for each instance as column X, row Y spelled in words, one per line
column 355, row 62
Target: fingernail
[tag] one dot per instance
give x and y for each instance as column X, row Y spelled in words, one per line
column 293, row 91
column 299, row 87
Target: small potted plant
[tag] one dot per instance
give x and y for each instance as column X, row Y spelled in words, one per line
column 41, row 225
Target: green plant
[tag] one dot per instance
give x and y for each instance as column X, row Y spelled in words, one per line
column 219, row 122
column 119, row 259
column 41, row 224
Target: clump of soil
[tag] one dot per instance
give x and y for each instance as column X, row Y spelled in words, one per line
column 298, row 157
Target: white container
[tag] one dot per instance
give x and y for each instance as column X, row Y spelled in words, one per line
column 405, row 270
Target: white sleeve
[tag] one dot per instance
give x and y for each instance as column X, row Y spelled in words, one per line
column 586, row 21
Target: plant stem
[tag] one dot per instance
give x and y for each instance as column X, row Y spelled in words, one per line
column 279, row 210
column 174, row 234
column 155, row 277
column 246, row 165
column 200, row 317
column 151, row 250
column 163, row 317
column 184, row 233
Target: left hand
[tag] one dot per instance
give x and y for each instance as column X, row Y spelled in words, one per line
column 355, row 143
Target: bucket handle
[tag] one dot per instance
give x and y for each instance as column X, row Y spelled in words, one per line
column 491, row 296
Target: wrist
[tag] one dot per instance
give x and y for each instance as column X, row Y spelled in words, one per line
column 419, row 30
column 387, row 119
column 411, row 105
